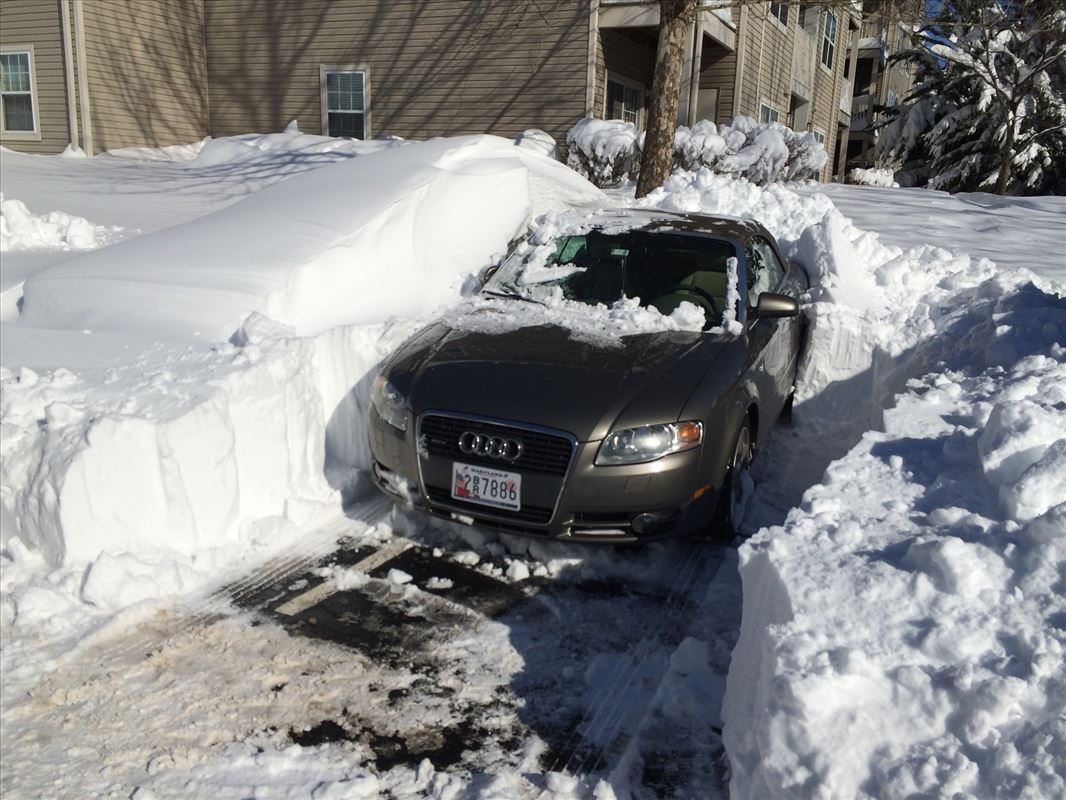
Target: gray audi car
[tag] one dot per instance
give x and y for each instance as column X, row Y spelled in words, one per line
column 528, row 425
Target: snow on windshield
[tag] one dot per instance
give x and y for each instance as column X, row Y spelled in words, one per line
column 607, row 281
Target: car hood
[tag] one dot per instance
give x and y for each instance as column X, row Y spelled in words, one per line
column 542, row 375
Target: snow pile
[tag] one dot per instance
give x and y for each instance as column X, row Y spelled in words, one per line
column 186, row 450
column 265, row 148
column 608, row 152
column 21, row 229
column 539, row 142
column 356, row 241
column 873, row 177
column 914, row 645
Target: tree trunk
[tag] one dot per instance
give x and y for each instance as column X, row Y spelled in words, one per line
column 674, row 19
column 1006, row 156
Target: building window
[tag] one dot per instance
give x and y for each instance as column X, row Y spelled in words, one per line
column 767, row 113
column 829, row 37
column 779, row 11
column 18, row 106
column 819, row 137
column 625, row 100
column 345, row 102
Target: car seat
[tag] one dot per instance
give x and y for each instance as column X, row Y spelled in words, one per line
column 705, row 272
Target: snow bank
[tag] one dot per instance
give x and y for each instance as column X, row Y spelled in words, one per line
column 21, row 229
column 906, row 622
column 185, row 450
column 186, row 453
column 354, row 241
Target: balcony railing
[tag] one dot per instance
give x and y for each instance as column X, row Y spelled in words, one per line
column 861, row 115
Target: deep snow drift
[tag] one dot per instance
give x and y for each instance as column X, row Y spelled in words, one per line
column 307, row 256
column 903, row 609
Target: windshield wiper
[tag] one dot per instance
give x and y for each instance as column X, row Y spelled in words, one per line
column 513, row 296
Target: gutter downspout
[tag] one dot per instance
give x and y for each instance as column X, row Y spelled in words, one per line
column 590, row 64
column 83, row 78
column 741, row 58
column 68, row 73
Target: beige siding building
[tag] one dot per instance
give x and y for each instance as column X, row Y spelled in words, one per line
column 877, row 84
column 104, row 74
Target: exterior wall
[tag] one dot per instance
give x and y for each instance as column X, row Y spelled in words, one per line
column 37, row 23
column 146, row 72
column 767, row 61
column 827, row 88
column 442, row 68
column 767, row 69
column 718, row 69
column 629, row 53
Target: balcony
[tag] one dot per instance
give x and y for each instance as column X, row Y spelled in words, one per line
column 861, row 115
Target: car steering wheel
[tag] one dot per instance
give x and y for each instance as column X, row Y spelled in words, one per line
column 703, row 294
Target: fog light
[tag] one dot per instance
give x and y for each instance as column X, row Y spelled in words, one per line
column 645, row 523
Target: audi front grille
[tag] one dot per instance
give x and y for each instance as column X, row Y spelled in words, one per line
column 541, row 453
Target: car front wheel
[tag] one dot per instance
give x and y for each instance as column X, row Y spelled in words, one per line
column 733, row 500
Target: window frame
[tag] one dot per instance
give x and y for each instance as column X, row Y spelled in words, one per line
column 770, row 108
column 628, row 83
column 828, row 41
column 35, row 134
column 325, row 70
column 782, row 10
column 817, row 133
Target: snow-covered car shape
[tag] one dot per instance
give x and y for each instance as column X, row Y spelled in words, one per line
column 522, row 419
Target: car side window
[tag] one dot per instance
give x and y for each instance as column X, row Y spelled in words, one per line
column 764, row 269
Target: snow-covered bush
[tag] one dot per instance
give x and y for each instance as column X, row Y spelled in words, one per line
column 872, row 177
column 608, row 152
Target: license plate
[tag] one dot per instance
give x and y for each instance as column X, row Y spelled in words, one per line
column 486, row 487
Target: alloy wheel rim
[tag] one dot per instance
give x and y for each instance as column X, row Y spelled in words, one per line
column 741, row 462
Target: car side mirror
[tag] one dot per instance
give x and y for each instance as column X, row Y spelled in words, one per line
column 488, row 272
column 772, row 306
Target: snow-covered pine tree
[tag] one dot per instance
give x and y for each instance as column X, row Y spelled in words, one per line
column 988, row 108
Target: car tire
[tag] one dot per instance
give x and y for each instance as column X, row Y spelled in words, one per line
column 732, row 502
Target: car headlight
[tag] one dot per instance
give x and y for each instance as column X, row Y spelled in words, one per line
column 389, row 402
column 649, row 442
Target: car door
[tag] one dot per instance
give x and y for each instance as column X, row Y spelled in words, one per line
column 771, row 340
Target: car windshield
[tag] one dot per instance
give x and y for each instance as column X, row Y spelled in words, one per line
column 660, row 268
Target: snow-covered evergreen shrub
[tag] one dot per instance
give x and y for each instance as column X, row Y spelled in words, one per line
column 608, row 152
column 872, row 177
column 988, row 108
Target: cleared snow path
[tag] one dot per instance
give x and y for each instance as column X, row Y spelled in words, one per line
column 412, row 652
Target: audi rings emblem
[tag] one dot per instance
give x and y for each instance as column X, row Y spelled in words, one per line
column 480, row 444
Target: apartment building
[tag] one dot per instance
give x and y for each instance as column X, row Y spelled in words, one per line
column 104, row 74
column 877, row 83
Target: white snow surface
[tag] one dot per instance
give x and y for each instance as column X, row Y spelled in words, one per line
column 903, row 613
column 304, row 253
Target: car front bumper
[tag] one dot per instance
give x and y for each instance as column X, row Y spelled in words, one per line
column 611, row 504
